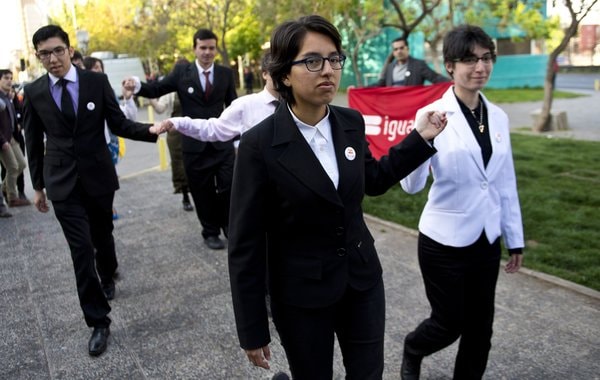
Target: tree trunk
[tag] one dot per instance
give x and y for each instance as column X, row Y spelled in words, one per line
column 545, row 118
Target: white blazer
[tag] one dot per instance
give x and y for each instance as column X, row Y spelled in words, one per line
column 465, row 197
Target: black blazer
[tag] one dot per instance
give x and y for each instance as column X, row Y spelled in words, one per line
column 287, row 217
column 419, row 73
column 81, row 152
column 185, row 79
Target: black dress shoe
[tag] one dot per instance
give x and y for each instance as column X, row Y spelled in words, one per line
column 213, row 242
column 411, row 366
column 280, row 376
column 4, row 213
column 98, row 341
column 187, row 206
column 109, row 290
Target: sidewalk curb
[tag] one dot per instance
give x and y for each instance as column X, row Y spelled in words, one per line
column 529, row 272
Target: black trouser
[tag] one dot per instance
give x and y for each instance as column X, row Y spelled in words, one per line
column 460, row 284
column 307, row 335
column 87, row 225
column 209, row 176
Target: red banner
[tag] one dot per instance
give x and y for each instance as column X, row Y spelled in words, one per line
column 389, row 112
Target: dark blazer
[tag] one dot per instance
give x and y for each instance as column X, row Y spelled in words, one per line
column 185, row 79
column 419, row 73
column 286, row 212
column 81, row 152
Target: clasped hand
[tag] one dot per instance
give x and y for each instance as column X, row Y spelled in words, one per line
column 431, row 124
column 162, row 127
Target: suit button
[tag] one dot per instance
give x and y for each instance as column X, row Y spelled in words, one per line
column 484, row 185
column 339, row 231
column 341, row 252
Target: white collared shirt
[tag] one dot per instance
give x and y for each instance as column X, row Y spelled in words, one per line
column 242, row 114
column 321, row 142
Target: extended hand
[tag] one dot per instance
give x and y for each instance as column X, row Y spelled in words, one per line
column 128, row 84
column 431, row 124
column 126, row 92
column 260, row 357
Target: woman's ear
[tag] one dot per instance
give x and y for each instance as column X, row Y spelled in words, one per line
column 449, row 68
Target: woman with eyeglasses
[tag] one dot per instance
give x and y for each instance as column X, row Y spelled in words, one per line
column 472, row 202
column 296, row 216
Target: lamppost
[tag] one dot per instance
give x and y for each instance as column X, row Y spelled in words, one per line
column 83, row 37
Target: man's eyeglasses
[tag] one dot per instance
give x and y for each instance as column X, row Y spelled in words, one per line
column 472, row 60
column 44, row 55
column 316, row 63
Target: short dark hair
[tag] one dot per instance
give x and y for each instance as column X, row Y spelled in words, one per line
column 77, row 55
column 265, row 61
column 4, row 72
column 401, row 39
column 204, row 34
column 460, row 42
column 89, row 62
column 285, row 45
column 47, row 32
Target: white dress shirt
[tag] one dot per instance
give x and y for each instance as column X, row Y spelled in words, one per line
column 321, row 142
column 242, row 114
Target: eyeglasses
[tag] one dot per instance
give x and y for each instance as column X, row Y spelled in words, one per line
column 316, row 63
column 472, row 60
column 44, row 55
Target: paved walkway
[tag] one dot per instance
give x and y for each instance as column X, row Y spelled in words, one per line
column 172, row 315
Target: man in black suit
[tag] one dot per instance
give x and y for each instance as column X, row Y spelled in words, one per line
column 204, row 90
column 68, row 108
column 405, row 70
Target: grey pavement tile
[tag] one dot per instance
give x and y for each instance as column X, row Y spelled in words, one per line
column 173, row 319
column 18, row 333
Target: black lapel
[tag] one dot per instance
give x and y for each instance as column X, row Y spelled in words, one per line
column 299, row 159
column 348, row 148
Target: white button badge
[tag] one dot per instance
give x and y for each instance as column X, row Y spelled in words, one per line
column 350, row 153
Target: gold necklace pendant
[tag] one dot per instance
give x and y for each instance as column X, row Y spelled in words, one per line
column 480, row 121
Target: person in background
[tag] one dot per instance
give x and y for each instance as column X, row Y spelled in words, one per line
column 169, row 104
column 405, row 70
column 204, row 89
column 472, row 202
column 11, row 155
column 3, row 209
column 296, row 215
column 128, row 108
column 64, row 115
column 244, row 113
column 248, row 79
column 77, row 59
column 18, row 136
column 555, row 70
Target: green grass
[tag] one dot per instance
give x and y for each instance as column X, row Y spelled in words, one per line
column 517, row 95
column 559, row 190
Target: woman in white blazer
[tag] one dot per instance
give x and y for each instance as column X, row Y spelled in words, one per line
column 472, row 202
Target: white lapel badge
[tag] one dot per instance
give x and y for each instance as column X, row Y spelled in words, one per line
column 91, row 106
column 350, row 153
column 190, row 90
